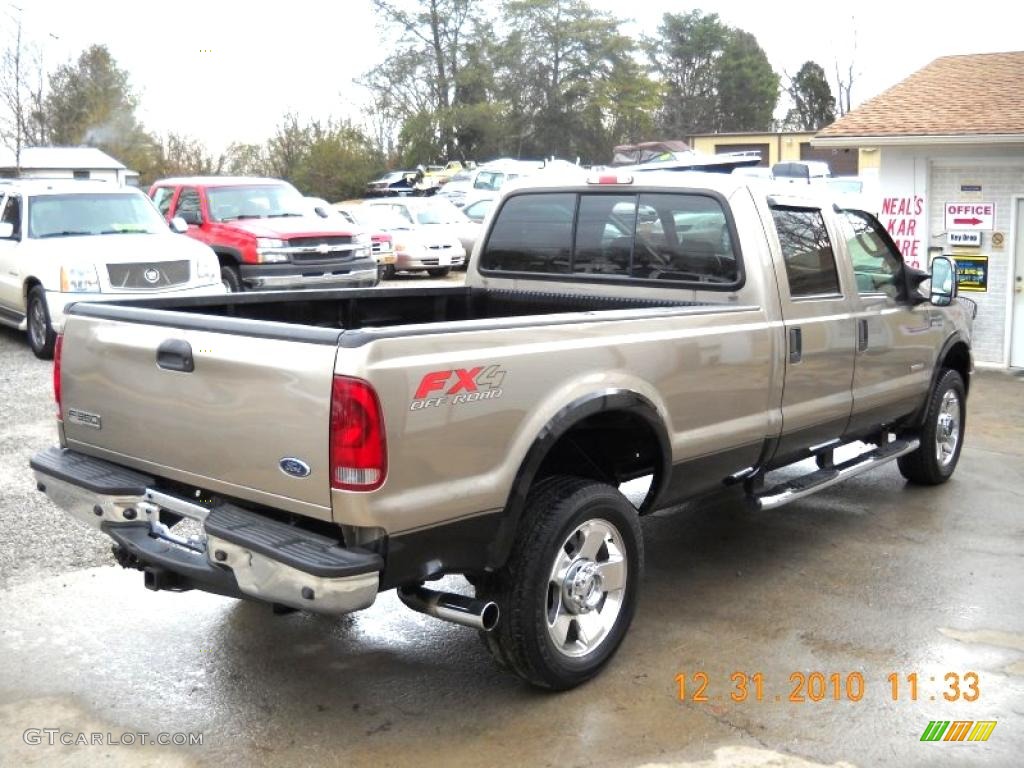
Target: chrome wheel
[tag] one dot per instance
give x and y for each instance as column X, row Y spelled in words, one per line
column 947, row 429
column 37, row 324
column 586, row 588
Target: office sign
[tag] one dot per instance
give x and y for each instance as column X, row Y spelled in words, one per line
column 970, row 216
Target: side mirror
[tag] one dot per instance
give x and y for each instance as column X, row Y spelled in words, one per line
column 321, row 212
column 190, row 217
column 6, row 230
column 179, row 225
column 943, row 281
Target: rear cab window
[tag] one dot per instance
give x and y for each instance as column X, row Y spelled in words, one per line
column 656, row 237
column 806, row 252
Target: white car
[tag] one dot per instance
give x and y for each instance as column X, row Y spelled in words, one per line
column 435, row 240
column 67, row 241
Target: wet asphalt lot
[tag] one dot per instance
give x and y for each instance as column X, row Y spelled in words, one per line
column 870, row 577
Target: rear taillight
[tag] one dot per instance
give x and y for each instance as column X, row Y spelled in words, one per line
column 359, row 456
column 57, row 349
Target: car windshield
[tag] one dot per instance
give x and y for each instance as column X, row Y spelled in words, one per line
column 258, row 201
column 440, row 212
column 92, row 213
column 478, row 210
column 380, row 217
column 848, row 186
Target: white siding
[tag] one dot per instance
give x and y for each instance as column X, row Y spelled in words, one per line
column 936, row 174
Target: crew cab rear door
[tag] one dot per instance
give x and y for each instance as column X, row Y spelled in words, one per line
column 820, row 329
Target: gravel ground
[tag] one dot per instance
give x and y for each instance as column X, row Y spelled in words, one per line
column 36, row 538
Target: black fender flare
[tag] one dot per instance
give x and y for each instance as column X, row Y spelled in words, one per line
column 564, row 420
column 955, row 338
column 229, row 252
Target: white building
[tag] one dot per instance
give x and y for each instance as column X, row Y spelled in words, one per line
column 67, row 163
column 951, row 173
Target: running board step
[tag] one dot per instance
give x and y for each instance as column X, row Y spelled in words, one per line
column 807, row 484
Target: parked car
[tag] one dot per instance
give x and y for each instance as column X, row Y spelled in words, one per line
column 265, row 235
column 438, row 234
column 478, row 210
column 68, row 241
column 393, row 183
column 386, row 439
column 802, row 171
column 383, row 228
column 382, row 242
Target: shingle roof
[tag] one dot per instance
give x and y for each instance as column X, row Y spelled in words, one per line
column 979, row 94
column 54, row 158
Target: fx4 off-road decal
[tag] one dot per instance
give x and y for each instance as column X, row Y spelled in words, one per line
column 458, row 386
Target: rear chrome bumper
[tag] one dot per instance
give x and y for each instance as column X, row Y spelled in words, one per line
column 237, row 553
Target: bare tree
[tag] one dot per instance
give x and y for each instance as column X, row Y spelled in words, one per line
column 14, row 94
column 844, row 85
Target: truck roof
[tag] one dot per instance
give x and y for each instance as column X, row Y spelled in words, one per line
column 216, row 181
column 725, row 184
column 37, row 186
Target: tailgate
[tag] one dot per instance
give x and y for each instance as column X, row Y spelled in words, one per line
column 225, row 426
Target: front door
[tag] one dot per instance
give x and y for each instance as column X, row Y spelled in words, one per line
column 897, row 341
column 1017, row 338
column 820, row 332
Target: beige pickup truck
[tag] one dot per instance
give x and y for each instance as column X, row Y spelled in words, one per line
column 689, row 331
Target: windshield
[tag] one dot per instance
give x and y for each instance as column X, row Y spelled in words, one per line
column 440, row 212
column 380, row 217
column 98, row 213
column 849, row 186
column 263, row 201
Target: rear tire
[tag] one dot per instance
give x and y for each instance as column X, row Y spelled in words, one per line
column 569, row 589
column 231, row 279
column 41, row 336
column 442, row 272
column 942, row 434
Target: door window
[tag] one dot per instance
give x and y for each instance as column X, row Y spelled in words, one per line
column 162, row 199
column 876, row 265
column 12, row 215
column 188, row 202
column 807, row 252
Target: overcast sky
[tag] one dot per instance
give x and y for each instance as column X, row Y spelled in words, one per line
column 223, row 70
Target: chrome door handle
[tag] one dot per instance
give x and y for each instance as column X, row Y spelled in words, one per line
column 796, row 345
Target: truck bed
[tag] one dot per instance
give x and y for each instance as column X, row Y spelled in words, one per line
column 320, row 315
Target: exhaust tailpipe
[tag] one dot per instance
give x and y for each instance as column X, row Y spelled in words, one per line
column 468, row 611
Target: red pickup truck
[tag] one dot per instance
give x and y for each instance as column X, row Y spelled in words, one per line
column 264, row 234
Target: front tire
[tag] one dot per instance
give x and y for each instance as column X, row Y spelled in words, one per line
column 569, row 589
column 941, row 436
column 231, row 279
column 41, row 336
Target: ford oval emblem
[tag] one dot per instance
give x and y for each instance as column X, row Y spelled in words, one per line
column 294, row 467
